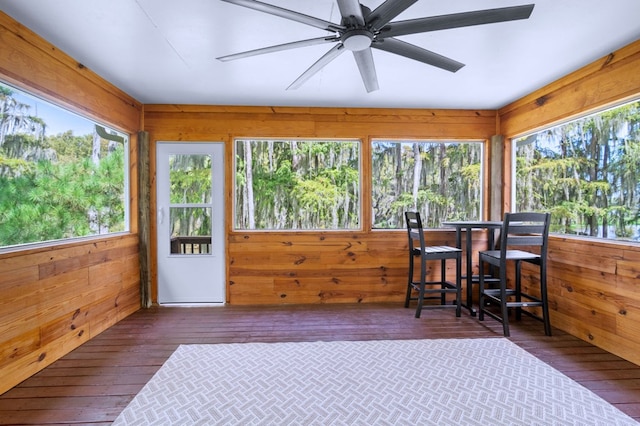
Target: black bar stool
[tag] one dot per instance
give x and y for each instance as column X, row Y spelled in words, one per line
column 530, row 230
column 418, row 249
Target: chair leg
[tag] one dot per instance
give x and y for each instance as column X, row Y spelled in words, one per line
column 481, row 291
column 503, row 302
column 518, row 289
column 423, row 277
column 545, row 301
column 443, row 278
column 458, row 285
column 409, row 286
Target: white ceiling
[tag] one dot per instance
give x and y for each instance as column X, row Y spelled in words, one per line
column 164, row 51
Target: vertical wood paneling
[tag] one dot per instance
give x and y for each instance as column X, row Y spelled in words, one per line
column 53, row 299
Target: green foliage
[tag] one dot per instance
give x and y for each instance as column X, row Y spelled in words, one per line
column 11, row 167
column 190, row 177
column 586, row 173
column 70, row 147
column 53, row 187
column 55, row 201
column 439, row 179
column 297, row 184
column 316, row 184
column 190, row 183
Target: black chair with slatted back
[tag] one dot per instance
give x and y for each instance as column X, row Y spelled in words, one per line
column 520, row 230
column 427, row 289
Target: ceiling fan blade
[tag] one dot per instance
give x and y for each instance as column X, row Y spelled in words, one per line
column 288, row 14
column 320, row 63
column 279, row 47
column 364, row 59
column 381, row 15
column 411, row 51
column 456, row 20
column 349, row 9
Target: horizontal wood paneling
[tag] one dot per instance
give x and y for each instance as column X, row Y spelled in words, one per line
column 316, row 268
column 55, row 298
column 312, row 267
column 594, row 291
column 611, row 79
column 204, row 123
column 33, row 63
column 69, row 294
column 594, row 285
column 327, row 268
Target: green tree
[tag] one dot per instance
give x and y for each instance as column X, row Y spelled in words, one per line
column 441, row 180
column 586, row 173
column 52, row 201
column 297, row 184
column 50, row 186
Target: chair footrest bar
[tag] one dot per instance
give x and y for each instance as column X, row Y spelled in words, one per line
column 447, row 283
column 494, row 316
column 534, row 316
column 426, row 298
column 523, row 304
column 439, row 306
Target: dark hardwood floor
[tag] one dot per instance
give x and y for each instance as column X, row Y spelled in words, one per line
column 95, row 382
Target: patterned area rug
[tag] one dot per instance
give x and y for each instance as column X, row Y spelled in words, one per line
column 391, row 382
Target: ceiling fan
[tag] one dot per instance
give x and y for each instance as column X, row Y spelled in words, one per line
column 362, row 29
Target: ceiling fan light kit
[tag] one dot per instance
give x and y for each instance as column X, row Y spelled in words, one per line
column 362, row 29
column 357, row 40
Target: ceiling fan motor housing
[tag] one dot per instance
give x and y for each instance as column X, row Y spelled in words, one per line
column 357, row 39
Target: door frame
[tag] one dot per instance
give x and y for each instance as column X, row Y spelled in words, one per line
column 223, row 231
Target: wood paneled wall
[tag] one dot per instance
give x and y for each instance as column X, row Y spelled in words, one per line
column 312, row 267
column 594, row 285
column 609, row 80
column 594, row 293
column 54, row 298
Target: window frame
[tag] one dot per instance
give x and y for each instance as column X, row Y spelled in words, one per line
column 482, row 143
column 234, row 212
column 106, row 132
column 554, row 125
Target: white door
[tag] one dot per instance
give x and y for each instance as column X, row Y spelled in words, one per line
column 190, row 223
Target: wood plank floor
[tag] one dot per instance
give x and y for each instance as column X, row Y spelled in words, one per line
column 94, row 383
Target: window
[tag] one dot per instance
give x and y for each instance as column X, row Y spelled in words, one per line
column 297, row 184
column 442, row 180
column 61, row 176
column 586, row 173
column 190, row 191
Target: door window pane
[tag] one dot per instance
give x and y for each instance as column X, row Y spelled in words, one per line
column 190, row 179
column 190, row 230
column 190, row 192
